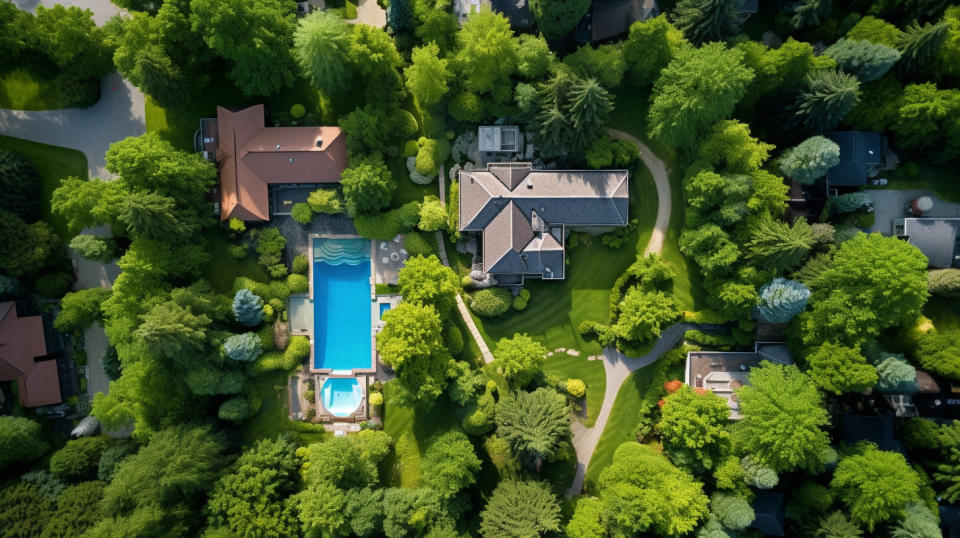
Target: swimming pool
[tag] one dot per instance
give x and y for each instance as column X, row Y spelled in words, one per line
column 341, row 396
column 341, row 304
column 383, row 308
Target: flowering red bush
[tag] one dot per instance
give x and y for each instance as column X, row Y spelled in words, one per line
column 673, row 386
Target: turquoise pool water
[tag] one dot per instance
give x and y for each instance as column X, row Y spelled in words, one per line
column 383, row 308
column 341, row 396
column 341, row 304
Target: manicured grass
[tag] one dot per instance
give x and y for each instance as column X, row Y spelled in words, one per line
column 407, row 191
column 410, row 429
column 25, row 89
column 273, row 419
column 943, row 312
column 557, row 309
column 620, row 426
column 223, row 268
column 940, row 179
column 53, row 163
column 590, row 372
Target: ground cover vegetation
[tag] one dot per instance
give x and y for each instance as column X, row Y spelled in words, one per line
column 200, row 361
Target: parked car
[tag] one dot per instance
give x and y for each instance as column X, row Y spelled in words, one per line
column 879, row 182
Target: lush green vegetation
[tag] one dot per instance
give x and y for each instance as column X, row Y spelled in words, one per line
column 590, row 372
column 24, row 89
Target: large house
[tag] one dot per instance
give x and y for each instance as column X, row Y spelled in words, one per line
column 863, row 154
column 521, row 215
column 723, row 372
column 253, row 158
column 608, row 19
column 24, row 359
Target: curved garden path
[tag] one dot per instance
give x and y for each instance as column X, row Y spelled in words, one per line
column 616, row 365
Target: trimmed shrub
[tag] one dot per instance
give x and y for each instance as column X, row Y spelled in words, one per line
column 410, row 149
column 453, row 339
column 237, row 252
column 376, row 399
column 247, row 307
column 298, row 111
column 236, row 226
column 491, row 302
column 466, row 107
column 576, row 388
column 53, row 285
column 418, row 244
column 297, row 349
column 298, row 284
column 519, row 303
column 234, row 410
column 406, row 123
column 112, row 457
column 243, row 347
column 431, row 153
column 92, row 247
column 384, row 226
column 111, row 364
column 78, row 459
column 433, row 216
column 301, row 265
column 302, row 213
column 327, row 201
column 416, row 176
column 733, row 511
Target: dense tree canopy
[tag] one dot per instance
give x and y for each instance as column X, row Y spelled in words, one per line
column 694, row 428
column 412, row 344
column 875, row 485
column 534, row 424
column 520, row 508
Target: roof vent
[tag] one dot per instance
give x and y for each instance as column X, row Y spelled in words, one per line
column 291, row 160
column 278, row 147
column 529, row 183
column 319, row 142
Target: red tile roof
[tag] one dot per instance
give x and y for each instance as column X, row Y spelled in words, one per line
column 21, row 342
column 251, row 156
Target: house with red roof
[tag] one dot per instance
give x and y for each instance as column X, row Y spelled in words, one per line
column 23, row 358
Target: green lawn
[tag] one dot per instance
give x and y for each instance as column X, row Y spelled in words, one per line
column 25, row 89
column 944, row 181
column 273, row 419
column 52, row 163
column 223, row 268
column 410, row 430
column 590, row 372
column 556, row 309
column 407, row 191
column 620, row 426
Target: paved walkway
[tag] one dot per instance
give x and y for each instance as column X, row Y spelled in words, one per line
column 616, row 365
column 370, row 13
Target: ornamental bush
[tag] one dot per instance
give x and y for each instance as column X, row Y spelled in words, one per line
column 325, row 200
column 243, row 347
column 466, row 107
column 416, row 176
column 383, row 226
column 376, row 399
column 519, row 303
column 248, row 308
column 53, row 285
column 944, row 282
column 298, row 284
column 453, row 339
column 781, row 300
column 302, row 213
column 235, row 409
column 297, row 350
column 92, row 247
column 298, row 111
column 896, row 376
column 433, row 216
column 576, row 388
column 491, row 302
column 300, row 264
column 810, row 160
column 78, row 459
column 431, row 153
column 418, row 244
column 847, row 203
column 733, row 511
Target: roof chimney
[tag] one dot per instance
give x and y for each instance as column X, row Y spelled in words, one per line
column 319, row 142
column 278, row 147
column 291, row 160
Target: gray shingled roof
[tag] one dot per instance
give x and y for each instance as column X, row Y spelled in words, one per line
column 502, row 200
column 859, row 151
column 936, row 238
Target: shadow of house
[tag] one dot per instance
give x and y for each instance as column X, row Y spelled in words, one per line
column 768, row 506
column 879, row 430
column 608, row 19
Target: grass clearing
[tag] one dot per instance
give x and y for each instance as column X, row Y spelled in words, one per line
column 223, row 268
column 410, row 428
column 23, row 88
column 940, row 179
column 590, row 372
column 273, row 419
column 53, row 163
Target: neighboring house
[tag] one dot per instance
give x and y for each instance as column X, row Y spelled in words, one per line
column 879, row 430
column 936, row 238
column 522, row 215
column 254, row 158
column 863, row 154
column 768, row 507
column 950, row 520
column 517, row 11
column 24, row 359
column 725, row 371
column 499, row 139
column 608, row 19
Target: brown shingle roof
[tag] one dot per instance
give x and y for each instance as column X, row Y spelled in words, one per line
column 250, row 159
column 21, row 341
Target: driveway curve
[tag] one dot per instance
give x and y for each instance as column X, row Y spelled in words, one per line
column 616, row 365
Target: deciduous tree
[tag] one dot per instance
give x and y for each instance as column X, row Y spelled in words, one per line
column 783, row 417
column 411, row 343
column 427, row 76
column 875, row 485
column 519, row 358
column 520, row 508
column 367, row 186
column 449, row 463
column 425, row 280
column 649, row 47
column 840, row 369
column 486, row 54
column 20, row 186
column 78, row 459
column 20, row 441
column 534, row 424
column 694, row 428
column 80, row 309
column 810, row 160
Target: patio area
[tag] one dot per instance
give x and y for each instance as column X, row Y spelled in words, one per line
column 388, row 259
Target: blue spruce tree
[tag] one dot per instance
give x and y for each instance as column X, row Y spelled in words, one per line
column 248, row 308
column 243, row 347
column 780, row 300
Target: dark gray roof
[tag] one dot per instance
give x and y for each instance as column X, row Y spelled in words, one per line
column 518, row 11
column 522, row 212
column 859, row 151
column 878, row 430
column 768, row 507
column 609, row 18
column 750, row 6
column 936, row 238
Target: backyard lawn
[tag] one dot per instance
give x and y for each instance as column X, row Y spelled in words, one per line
column 24, row 89
column 942, row 180
column 223, row 268
column 273, row 419
column 52, row 163
column 590, row 372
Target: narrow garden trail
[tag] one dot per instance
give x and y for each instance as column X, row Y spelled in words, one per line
column 616, row 365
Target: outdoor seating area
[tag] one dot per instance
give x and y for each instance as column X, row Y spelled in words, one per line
column 389, row 258
column 723, row 372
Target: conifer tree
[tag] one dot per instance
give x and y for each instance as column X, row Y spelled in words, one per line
column 708, row 20
column 399, row 16
column 778, row 245
column 781, row 299
column 248, row 308
column 809, row 13
column 919, row 45
column 828, row 98
column 590, row 107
